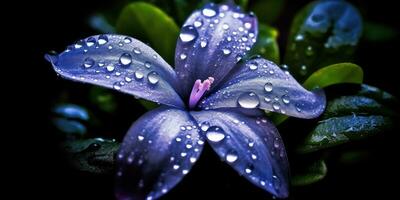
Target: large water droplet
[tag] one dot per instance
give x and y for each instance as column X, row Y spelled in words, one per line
column 153, row 77
column 215, row 134
column 103, row 39
column 231, row 156
column 88, row 62
column 209, row 11
column 188, row 33
column 139, row 75
column 248, row 100
column 125, row 59
column 127, row 40
column 268, row 87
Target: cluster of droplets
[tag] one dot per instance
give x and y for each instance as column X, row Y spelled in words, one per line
column 236, row 26
column 124, row 67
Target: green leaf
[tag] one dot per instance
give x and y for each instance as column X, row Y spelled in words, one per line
column 375, row 32
column 347, row 105
column 150, row 25
column 267, row 44
column 314, row 172
column 335, row 74
column 322, row 33
column 338, row 130
column 267, row 11
column 92, row 155
column 103, row 99
column 149, row 105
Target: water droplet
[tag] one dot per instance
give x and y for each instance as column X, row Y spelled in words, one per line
column 117, row 86
column 276, row 106
column 183, row 128
column 226, row 51
column 197, row 24
column 225, row 26
column 303, row 70
column 139, row 75
column 253, row 66
column 204, row 126
column 178, row 139
column 299, row 37
column 253, row 156
column 262, row 183
column 248, row 170
column 188, row 34
column 147, row 64
column 90, row 41
column 136, row 50
column 203, row 43
column 128, row 79
column 267, row 99
column 78, row 45
column 140, row 137
column 175, row 167
column 248, row 100
column 209, row 11
column 125, row 59
column 231, row 156
column 185, row 171
column 189, row 146
column 247, row 25
column 276, row 143
column 127, row 40
column 214, row 134
column 183, row 56
column 103, row 39
column 286, row 99
column 153, row 77
column 268, row 87
column 110, row 68
column 183, row 154
column 89, row 62
column 101, row 64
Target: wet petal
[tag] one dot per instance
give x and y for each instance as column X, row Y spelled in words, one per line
column 119, row 62
column 211, row 41
column 252, row 146
column 157, row 152
column 259, row 83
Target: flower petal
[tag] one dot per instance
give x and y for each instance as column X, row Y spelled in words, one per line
column 211, row 41
column 157, row 152
column 259, row 83
column 252, row 146
column 119, row 62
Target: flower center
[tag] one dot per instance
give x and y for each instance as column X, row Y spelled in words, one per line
column 198, row 90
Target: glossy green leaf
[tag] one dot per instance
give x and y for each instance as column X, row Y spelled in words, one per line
column 267, row 44
column 314, row 172
column 150, row 25
column 322, row 33
column 267, row 11
column 92, row 155
column 338, row 130
column 335, row 74
column 347, row 105
column 375, row 32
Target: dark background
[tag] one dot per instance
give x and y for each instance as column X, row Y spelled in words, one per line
column 40, row 169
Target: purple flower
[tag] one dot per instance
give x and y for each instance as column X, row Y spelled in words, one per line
column 212, row 95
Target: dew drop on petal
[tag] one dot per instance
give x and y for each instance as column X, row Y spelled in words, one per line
column 153, row 77
column 268, row 87
column 226, row 51
column 136, row 50
column 197, row 24
column 188, row 34
column 88, row 62
column 215, row 135
column 203, row 43
column 248, row 100
column 90, row 41
column 183, row 56
column 125, row 59
column 286, row 99
column 252, row 66
column 127, row 40
column 276, row 106
column 117, row 86
column 209, row 12
column 231, row 156
column 103, row 39
column 147, row 64
column 139, row 75
column 204, row 126
column 110, row 68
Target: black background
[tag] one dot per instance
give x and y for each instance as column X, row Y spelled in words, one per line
column 39, row 169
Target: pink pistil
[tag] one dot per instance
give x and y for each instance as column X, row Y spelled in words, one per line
column 198, row 90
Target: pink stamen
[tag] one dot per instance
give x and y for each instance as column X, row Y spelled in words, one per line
column 198, row 90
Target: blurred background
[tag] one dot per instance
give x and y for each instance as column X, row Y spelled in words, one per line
column 46, row 173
